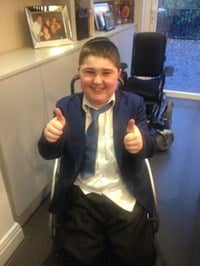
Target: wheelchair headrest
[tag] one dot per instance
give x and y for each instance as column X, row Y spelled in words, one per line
column 148, row 54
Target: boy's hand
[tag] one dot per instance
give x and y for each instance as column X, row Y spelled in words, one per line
column 54, row 129
column 133, row 139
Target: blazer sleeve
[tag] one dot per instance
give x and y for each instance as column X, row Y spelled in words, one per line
column 52, row 150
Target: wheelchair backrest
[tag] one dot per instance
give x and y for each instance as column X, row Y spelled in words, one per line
column 148, row 55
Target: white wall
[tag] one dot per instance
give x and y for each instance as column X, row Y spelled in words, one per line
column 14, row 29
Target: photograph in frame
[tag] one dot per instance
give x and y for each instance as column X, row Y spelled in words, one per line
column 49, row 25
column 100, row 8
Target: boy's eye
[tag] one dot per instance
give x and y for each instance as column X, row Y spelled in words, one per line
column 93, row 72
column 106, row 73
column 88, row 71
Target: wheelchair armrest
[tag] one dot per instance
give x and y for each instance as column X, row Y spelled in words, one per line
column 168, row 71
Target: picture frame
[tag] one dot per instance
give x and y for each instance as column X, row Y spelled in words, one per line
column 49, row 25
column 127, row 11
column 109, row 21
column 103, row 16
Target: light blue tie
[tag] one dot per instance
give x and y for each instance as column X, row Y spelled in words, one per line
column 88, row 167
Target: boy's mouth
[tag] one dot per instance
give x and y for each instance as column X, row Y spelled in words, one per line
column 98, row 88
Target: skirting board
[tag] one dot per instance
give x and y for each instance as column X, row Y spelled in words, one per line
column 10, row 242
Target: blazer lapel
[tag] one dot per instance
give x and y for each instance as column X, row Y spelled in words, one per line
column 120, row 125
column 77, row 130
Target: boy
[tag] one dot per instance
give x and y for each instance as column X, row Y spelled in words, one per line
column 103, row 204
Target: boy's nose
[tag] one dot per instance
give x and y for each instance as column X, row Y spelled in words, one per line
column 97, row 79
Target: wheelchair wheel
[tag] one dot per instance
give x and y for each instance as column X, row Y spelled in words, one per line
column 164, row 139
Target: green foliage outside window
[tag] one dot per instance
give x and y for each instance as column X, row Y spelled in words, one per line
column 181, row 18
column 169, row 4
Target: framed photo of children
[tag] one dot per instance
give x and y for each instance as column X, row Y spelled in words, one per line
column 49, row 25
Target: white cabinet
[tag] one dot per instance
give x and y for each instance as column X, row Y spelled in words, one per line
column 22, row 116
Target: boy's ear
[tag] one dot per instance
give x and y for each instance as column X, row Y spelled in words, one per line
column 78, row 68
column 120, row 72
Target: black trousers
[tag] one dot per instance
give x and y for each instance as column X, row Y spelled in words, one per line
column 95, row 231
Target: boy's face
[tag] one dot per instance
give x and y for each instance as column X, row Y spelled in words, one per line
column 98, row 77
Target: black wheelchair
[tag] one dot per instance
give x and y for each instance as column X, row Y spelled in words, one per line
column 147, row 79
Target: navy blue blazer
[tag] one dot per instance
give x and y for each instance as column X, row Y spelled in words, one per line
column 70, row 147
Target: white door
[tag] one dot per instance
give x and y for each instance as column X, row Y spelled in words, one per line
column 146, row 14
column 153, row 14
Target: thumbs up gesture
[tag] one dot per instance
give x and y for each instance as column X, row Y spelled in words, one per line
column 54, row 129
column 133, row 139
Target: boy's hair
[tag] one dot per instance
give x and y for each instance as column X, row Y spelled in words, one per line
column 102, row 47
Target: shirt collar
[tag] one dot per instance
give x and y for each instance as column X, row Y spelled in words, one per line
column 86, row 104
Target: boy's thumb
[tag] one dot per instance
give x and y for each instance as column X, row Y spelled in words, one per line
column 131, row 126
column 59, row 116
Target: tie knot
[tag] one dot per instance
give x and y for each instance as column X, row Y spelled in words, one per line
column 95, row 112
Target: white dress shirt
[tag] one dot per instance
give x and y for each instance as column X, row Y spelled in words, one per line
column 106, row 179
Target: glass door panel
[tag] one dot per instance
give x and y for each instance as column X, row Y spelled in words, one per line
column 180, row 20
